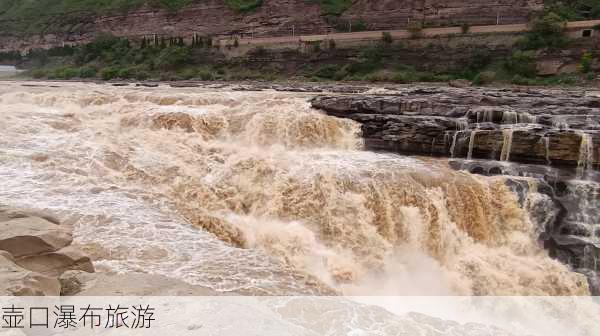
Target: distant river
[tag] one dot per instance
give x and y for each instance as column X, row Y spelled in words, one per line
column 7, row 70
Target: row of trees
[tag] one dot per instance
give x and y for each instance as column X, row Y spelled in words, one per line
column 162, row 42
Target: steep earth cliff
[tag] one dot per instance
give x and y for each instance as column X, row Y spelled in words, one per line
column 56, row 23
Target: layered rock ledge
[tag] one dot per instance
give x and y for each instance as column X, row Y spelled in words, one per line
column 549, row 127
column 552, row 136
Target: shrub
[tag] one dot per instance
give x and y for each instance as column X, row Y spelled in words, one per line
column 141, row 75
column 332, row 44
column 188, row 73
column 334, row 7
column 484, row 77
column 404, row 77
column 521, row 63
column 415, row 29
column 386, row 37
column 244, row 5
column 87, row 72
column 64, row 73
column 585, row 64
column 327, row 72
column 125, row 72
column 546, row 32
column 465, row 27
column 39, row 73
column 206, row 75
column 520, row 80
column 359, row 26
column 172, row 56
column 236, row 43
column 109, row 73
column 315, row 46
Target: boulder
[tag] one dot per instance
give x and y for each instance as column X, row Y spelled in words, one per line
column 131, row 284
column 7, row 213
column 57, row 262
column 548, row 67
column 26, row 236
column 17, row 281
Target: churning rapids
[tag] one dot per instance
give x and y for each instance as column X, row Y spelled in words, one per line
column 255, row 192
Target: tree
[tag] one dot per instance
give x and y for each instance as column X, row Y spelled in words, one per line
column 546, row 32
column 386, row 37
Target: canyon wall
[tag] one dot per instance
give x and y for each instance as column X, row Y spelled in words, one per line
column 273, row 18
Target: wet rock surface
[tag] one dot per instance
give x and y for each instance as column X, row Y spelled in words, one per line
column 15, row 280
column 133, row 284
column 34, row 250
column 565, row 209
column 552, row 137
column 37, row 259
column 550, row 127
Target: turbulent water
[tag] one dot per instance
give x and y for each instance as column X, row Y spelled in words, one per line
column 258, row 193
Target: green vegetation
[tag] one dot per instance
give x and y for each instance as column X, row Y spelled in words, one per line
column 334, row 7
column 464, row 28
column 109, row 57
column 572, row 10
column 244, row 5
column 164, row 58
column 386, row 37
column 521, row 63
column 415, row 29
column 585, row 64
column 546, row 31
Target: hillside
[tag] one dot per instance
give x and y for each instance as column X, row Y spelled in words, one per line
column 25, row 24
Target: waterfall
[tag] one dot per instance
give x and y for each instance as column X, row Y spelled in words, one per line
column 485, row 116
column 586, row 155
column 546, row 140
column 507, row 135
column 510, row 117
column 461, row 125
column 471, row 144
column 256, row 190
column 527, row 118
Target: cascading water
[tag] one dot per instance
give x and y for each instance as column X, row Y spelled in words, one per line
column 281, row 197
column 586, row 155
column 472, row 138
column 461, row 125
column 506, row 144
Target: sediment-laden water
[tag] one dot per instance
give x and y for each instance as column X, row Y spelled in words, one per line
column 256, row 192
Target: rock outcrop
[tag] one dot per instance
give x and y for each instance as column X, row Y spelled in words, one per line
column 15, row 280
column 36, row 258
column 558, row 128
column 34, row 250
column 552, row 136
column 28, row 236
